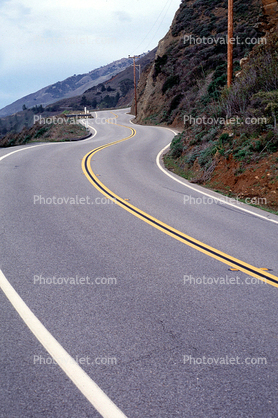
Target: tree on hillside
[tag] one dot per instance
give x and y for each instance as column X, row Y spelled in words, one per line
column 126, row 85
column 37, row 109
column 110, row 101
column 270, row 99
column 84, row 101
column 94, row 103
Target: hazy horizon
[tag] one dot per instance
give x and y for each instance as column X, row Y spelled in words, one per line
column 44, row 43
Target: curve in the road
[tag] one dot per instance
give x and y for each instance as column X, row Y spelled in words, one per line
column 186, row 239
column 219, row 199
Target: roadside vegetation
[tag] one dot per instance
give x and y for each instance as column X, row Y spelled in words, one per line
column 189, row 72
column 245, row 144
column 50, row 132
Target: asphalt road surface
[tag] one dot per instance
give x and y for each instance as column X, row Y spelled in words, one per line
column 127, row 292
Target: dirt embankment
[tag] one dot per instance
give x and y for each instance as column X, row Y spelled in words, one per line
column 257, row 181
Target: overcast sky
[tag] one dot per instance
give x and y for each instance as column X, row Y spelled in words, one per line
column 43, row 42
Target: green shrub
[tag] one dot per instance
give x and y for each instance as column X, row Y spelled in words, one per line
column 210, row 135
column 207, row 154
column 170, row 82
column 224, row 138
column 214, row 89
column 41, row 131
column 176, row 146
column 256, row 146
column 125, row 86
column 190, row 157
column 272, row 145
column 269, row 136
column 258, row 76
column 175, row 102
column 241, row 154
column 159, row 62
column 26, row 139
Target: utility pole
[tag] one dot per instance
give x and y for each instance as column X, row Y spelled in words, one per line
column 134, row 71
column 230, row 44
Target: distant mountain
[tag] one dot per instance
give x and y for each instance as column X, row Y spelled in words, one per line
column 118, row 91
column 70, row 87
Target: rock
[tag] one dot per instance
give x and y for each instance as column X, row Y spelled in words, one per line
column 270, row 15
column 243, row 61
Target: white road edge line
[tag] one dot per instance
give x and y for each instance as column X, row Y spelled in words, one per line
column 84, row 124
column 85, row 384
column 204, row 193
column 48, row 143
column 22, row 149
column 220, row 199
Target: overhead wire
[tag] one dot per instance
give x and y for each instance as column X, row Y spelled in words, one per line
column 168, row 3
column 159, row 25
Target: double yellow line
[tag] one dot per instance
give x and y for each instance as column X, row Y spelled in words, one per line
column 174, row 233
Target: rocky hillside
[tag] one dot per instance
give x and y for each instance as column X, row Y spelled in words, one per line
column 269, row 15
column 229, row 137
column 72, row 86
column 191, row 58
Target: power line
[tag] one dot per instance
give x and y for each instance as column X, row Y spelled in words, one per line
column 168, row 2
column 159, row 26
